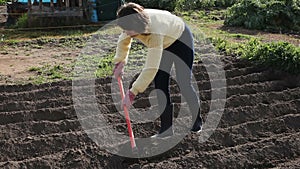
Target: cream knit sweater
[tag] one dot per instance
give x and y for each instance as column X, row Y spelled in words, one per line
column 164, row 29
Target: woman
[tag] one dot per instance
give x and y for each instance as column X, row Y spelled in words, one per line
column 169, row 41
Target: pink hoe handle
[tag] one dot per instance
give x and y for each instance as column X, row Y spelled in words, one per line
column 132, row 140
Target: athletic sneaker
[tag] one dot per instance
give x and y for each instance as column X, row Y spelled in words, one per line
column 196, row 129
column 165, row 134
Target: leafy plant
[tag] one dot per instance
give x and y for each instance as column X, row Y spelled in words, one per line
column 171, row 5
column 194, row 4
column 3, row 2
column 262, row 14
column 22, row 22
column 160, row 4
column 226, row 47
column 93, row 65
column 49, row 73
column 104, row 67
column 281, row 55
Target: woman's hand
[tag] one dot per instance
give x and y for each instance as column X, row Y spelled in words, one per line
column 128, row 99
column 118, row 69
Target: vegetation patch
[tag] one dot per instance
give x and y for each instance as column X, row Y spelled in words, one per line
column 274, row 15
column 173, row 5
column 3, row 2
column 50, row 73
column 280, row 55
column 92, row 66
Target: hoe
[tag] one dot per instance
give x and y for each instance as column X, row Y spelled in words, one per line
column 131, row 135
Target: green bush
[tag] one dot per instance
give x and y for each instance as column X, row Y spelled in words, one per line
column 22, row 22
column 171, row 5
column 158, row 4
column 281, row 55
column 225, row 47
column 265, row 15
column 3, row 2
column 203, row 4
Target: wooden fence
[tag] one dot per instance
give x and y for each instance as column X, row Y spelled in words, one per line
column 65, row 9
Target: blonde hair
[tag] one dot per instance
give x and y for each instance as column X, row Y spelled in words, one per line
column 131, row 16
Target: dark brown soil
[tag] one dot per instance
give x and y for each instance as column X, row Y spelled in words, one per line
column 259, row 128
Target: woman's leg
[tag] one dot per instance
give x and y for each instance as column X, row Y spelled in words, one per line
column 184, row 51
column 161, row 81
column 184, row 76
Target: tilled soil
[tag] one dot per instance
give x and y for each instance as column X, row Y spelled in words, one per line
column 259, row 127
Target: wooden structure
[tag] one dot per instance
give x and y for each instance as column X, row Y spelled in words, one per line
column 49, row 13
column 62, row 9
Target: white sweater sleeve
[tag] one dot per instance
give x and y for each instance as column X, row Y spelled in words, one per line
column 151, row 67
column 123, row 47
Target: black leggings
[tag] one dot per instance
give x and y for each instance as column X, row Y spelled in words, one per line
column 181, row 53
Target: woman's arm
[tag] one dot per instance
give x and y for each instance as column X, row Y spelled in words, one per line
column 123, row 46
column 155, row 49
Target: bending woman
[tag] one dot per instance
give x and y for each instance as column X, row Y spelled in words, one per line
column 169, row 41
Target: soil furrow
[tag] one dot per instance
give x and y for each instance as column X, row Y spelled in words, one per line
column 254, row 99
column 292, row 163
column 48, row 114
column 231, row 113
column 52, row 89
column 36, row 128
column 31, row 87
column 253, row 131
column 234, row 136
column 244, row 114
column 68, row 158
column 28, row 147
column 259, row 154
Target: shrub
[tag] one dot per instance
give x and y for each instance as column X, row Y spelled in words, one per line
column 281, row 55
column 203, row 4
column 265, row 15
column 194, row 4
column 171, row 5
column 158, row 4
column 3, row 2
column 226, row 47
column 22, row 22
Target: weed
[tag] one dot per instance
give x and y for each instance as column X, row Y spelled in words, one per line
column 3, row 50
column 49, row 73
column 22, row 22
column 34, row 69
column 226, row 47
column 93, row 65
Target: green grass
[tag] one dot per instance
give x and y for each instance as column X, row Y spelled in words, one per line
column 50, row 73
